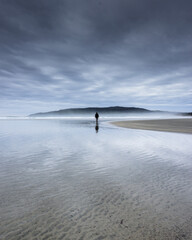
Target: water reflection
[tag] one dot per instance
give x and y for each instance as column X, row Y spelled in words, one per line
column 97, row 127
column 73, row 177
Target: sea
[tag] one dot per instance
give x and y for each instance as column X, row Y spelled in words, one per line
column 70, row 179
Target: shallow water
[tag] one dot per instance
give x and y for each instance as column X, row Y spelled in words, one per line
column 62, row 180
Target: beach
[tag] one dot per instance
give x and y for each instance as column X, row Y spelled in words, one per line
column 183, row 125
column 61, row 179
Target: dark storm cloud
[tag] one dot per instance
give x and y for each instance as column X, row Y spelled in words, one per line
column 88, row 52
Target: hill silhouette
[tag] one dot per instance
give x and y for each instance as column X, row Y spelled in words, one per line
column 115, row 110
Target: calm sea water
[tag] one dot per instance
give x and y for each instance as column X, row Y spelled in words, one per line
column 61, row 179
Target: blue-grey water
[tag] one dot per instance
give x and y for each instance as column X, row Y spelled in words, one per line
column 60, row 179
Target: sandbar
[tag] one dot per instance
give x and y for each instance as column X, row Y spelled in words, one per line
column 180, row 125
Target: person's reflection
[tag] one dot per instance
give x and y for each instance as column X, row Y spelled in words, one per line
column 97, row 122
column 97, row 127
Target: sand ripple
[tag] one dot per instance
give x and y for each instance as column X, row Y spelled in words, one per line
column 114, row 185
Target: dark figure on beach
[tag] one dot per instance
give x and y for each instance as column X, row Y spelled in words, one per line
column 96, row 116
column 97, row 124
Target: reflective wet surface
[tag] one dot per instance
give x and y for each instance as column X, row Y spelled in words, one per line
column 73, row 179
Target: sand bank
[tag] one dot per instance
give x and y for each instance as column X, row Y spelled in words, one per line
column 183, row 125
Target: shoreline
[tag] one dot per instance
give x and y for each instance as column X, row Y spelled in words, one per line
column 179, row 125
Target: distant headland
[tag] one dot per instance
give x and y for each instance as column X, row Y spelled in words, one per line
column 105, row 111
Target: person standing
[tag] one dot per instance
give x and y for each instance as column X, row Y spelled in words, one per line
column 96, row 116
column 97, row 124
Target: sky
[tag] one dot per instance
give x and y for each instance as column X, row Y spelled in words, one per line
column 57, row 54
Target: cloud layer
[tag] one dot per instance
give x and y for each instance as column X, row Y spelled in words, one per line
column 77, row 53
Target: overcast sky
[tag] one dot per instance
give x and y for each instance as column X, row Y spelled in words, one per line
column 57, row 54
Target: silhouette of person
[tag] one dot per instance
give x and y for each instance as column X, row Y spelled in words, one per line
column 96, row 116
column 97, row 124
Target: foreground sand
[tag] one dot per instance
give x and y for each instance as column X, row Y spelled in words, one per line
column 183, row 125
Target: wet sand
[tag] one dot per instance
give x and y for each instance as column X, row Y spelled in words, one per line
column 165, row 125
column 60, row 180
